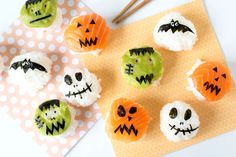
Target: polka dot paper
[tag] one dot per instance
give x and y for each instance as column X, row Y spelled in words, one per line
column 19, row 104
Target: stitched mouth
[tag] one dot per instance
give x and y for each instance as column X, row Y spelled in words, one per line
column 213, row 88
column 128, row 130
column 80, row 92
column 145, row 79
column 87, row 42
column 39, row 19
column 183, row 131
column 55, row 127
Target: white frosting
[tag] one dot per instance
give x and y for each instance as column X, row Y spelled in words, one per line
column 32, row 80
column 187, row 128
column 88, row 87
column 177, row 41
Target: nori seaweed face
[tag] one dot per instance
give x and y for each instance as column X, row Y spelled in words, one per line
column 52, row 118
column 38, row 13
column 141, row 66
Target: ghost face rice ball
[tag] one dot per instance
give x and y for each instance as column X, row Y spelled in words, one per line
column 175, row 33
column 80, row 87
column 179, row 121
column 30, row 71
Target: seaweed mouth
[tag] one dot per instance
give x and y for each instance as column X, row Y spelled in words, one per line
column 40, row 19
column 55, row 127
column 183, row 131
column 88, row 42
column 126, row 129
column 80, row 92
column 213, row 88
column 145, row 79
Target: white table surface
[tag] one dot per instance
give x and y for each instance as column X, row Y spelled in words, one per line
column 15, row 142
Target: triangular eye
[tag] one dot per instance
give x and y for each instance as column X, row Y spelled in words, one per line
column 224, row 75
column 78, row 25
column 92, row 22
column 215, row 69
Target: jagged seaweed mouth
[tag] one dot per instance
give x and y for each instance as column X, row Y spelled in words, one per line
column 80, row 92
column 129, row 130
column 183, row 131
column 213, row 88
column 88, row 42
column 55, row 127
column 39, row 19
column 145, row 79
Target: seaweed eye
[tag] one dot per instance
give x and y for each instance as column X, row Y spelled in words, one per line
column 224, row 75
column 176, row 23
column 150, row 60
column 121, row 111
column 187, row 114
column 136, row 60
column 173, row 113
column 133, row 110
column 215, row 69
column 78, row 25
column 32, row 10
column 46, row 114
column 68, row 80
column 172, row 23
column 55, row 111
column 92, row 22
column 78, row 76
column 45, row 5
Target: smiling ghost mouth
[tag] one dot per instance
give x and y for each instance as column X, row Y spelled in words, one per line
column 39, row 19
column 145, row 79
column 87, row 42
column 184, row 131
column 212, row 87
column 128, row 130
column 80, row 92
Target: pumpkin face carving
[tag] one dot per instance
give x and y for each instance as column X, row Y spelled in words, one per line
column 87, row 33
column 127, row 121
column 212, row 80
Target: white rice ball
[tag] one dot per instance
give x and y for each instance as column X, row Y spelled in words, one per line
column 179, row 121
column 175, row 33
column 80, row 87
column 30, row 71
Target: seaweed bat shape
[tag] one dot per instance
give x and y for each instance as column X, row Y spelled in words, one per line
column 28, row 64
column 174, row 26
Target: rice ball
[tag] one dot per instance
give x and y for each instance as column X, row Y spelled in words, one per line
column 30, row 71
column 179, row 121
column 175, row 33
